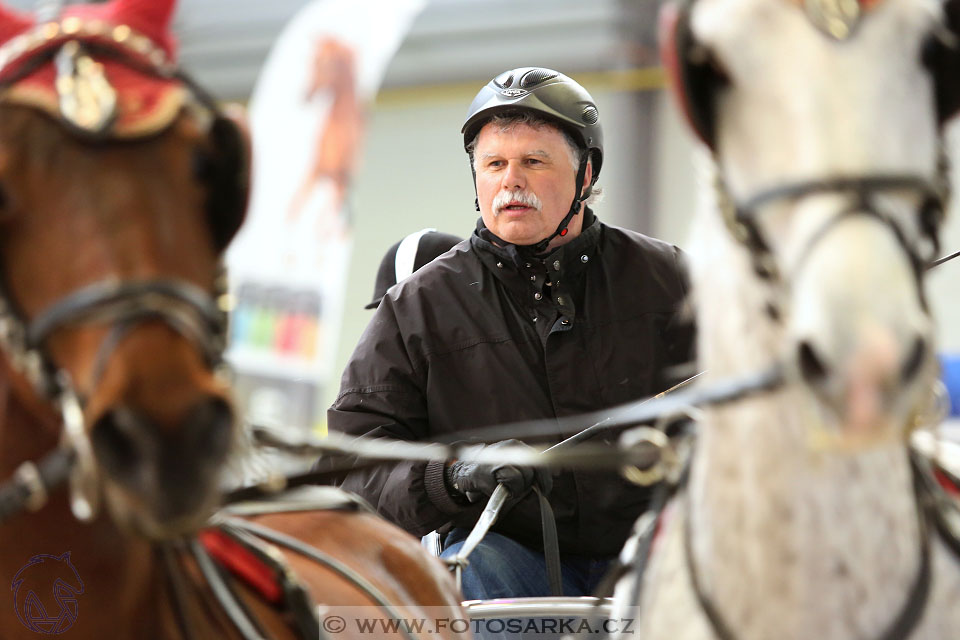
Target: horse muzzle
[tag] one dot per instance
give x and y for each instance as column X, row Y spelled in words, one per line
column 860, row 334
column 163, row 482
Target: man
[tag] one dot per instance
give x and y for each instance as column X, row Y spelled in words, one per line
column 545, row 313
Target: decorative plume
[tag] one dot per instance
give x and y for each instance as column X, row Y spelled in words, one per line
column 12, row 22
column 150, row 17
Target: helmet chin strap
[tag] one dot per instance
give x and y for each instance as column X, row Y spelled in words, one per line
column 575, row 206
column 561, row 230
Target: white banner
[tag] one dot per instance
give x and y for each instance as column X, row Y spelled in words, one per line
column 288, row 265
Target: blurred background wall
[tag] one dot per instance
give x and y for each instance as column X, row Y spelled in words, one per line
column 414, row 173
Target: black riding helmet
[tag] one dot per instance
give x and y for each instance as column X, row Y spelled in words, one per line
column 555, row 98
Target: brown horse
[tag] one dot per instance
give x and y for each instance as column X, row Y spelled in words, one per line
column 120, row 186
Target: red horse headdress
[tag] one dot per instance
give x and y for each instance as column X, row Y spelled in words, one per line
column 106, row 70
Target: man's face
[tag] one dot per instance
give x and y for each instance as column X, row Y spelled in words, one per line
column 525, row 183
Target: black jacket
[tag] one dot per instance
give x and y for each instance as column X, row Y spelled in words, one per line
column 481, row 336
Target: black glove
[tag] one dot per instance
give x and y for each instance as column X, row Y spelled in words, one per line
column 474, row 480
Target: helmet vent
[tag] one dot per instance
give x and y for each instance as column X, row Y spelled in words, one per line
column 535, row 76
column 590, row 114
column 505, row 80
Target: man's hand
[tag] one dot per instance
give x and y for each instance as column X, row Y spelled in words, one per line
column 476, row 480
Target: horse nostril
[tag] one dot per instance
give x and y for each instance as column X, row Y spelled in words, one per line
column 811, row 366
column 914, row 361
column 191, row 460
column 115, row 442
column 209, row 426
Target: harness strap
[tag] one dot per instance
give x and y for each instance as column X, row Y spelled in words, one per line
column 293, row 594
column 551, row 544
column 224, row 594
column 942, row 497
column 177, row 586
column 742, row 217
column 635, row 554
column 33, row 482
column 324, row 560
column 185, row 307
column 242, row 563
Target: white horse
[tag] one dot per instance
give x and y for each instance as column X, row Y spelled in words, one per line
column 800, row 520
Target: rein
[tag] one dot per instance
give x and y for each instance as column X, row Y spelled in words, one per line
column 644, row 453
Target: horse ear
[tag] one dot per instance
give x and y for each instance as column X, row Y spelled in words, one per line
column 694, row 79
column 12, row 23
column 229, row 175
column 941, row 55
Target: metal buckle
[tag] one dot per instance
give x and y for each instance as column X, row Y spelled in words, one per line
column 28, row 476
column 84, row 484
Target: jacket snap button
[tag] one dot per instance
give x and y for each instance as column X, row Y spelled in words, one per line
column 564, row 322
column 559, row 299
column 537, row 296
column 499, row 265
column 556, row 265
column 533, row 278
column 584, row 258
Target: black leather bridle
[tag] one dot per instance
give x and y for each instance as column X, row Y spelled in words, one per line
column 742, row 218
column 120, row 305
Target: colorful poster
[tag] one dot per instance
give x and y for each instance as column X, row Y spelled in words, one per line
column 288, row 265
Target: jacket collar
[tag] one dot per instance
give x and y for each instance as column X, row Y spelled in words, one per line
column 517, row 268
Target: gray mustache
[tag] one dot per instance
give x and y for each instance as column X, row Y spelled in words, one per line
column 525, row 198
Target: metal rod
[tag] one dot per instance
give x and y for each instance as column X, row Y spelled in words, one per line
column 607, row 422
column 940, row 261
column 487, row 519
column 500, row 495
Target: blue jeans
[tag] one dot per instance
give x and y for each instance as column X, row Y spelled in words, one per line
column 503, row 568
